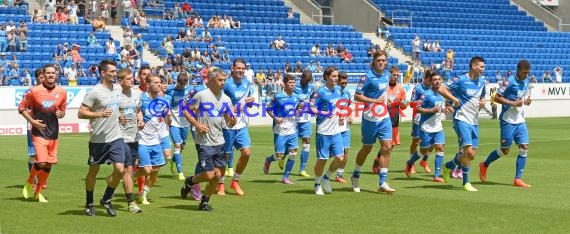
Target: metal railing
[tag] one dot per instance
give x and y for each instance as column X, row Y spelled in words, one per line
column 399, row 16
column 559, row 24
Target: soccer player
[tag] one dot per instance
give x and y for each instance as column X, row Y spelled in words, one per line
column 212, row 110
column 240, row 91
column 468, row 94
column 329, row 139
column 513, row 95
column 433, row 111
column 128, row 109
column 376, row 123
column 178, row 124
column 165, row 128
column 283, row 109
column 31, row 150
column 143, row 73
column 418, row 94
column 42, row 106
column 396, row 103
column 152, row 120
column 346, row 99
column 101, row 106
column 304, row 89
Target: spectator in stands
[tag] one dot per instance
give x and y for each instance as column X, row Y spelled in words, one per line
column 498, row 76
column 316, row 50
column 346, row 56
column 290, row 14
column 319, row 68
column 280, row 44
column 38, row 16
column 330, row 50
column 22, row 27
column 23, row 39
column 206, row 57
column 507, row 75
column 278, row 81
column 298, row 67
column 269, row 82
column 427, row 46
column 98, row 24
column 71, row 75
column 76, row 57
column 186, row 9
column 339, row 48
column 198, row 22
column 143, row 23
column 50, row 10
column 3, row 78
column 288, row 68
column 226, row 56
column 92, row 40
column 226, row 24
column 219, row 43
column 93, row 71
column 260, row 81
column 177, row 11
column 450, row 56
column 206, row 36
column 12, row 41
column 169, row 46
column 416, row 48
column 3, row 37
column 127, row 36
column 72, row 8
column 14, row 76
column 138, row 44
column 134, row 57
column 533, row 79
column 110, row 47
column 27, row 78
column 191, row 35
column 235, row 23
column 104, row 9
column 558, row 74
column 168, row 64
column 212, row 22
column 547, row 78
column 435, row 47
column 114, row 7
column 11, row 26
column 216, row 56
column 167, row 15
column 127, row 8
column 249, row 73
column 371, row 49
column 312, row 67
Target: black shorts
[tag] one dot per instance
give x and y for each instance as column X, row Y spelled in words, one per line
column 113, row 14
column 210, row 157
column 111, row 152
column 131, row 153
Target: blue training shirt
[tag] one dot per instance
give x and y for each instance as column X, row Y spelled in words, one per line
column 469, row 92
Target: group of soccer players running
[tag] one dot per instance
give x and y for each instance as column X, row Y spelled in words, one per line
column 132, row 127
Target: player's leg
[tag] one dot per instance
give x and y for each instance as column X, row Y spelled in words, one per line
column 166, row 146
column 346, row 144
column 292, row 144
column 522, row 140
column 455, row 161
column 425, row 139
column 176, row 134
column 507, row 134
column 115, row 153
column 305, row 131
column 230, row 141
column 369, row 133
column 470, row 144
column 415, row 142
column 279, row 146
column 130, row 151
column 219, row 163
column 385, row 137
column 31, row 151
column 144, row 169
column 439, row 143
column 157, row 157
column 337, row 150
column 42, row 155
column 323, row 150
column 243, row 142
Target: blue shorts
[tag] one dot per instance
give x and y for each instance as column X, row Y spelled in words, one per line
column 415, row 131
column 110, row 152
column 329, row 144
column 165, row 143
column 238, row 138
column 467, row 134
column 31, row 148
column 346, row 139
column 131, row 153
column 510, row 132
column 179, row 135
column 372, row 131
column 431, row 138
column 210, row 157
column 285, row 143
column 305, row 129
column 151, row 155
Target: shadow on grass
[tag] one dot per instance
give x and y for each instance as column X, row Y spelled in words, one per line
column 193, row 207
column 491, row 183
column 172, row 197
column 301, row 191
column 98, row 213
column 270, row 181
column 15, row 186
column 20, row 199
column 423, row 178
column 437, row 186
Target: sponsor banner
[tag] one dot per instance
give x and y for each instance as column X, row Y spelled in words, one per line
column 12, row 96
column 64, row 128
column 549, row 2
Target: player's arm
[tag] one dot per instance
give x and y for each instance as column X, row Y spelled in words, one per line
column 60, row 112
column 444, row 91
column 423, row 110
column 361, row 98
column 190, row 114
column 230, row 118
column 271, row 113
column 86, row 113
column 503, row 101
column 24, row 107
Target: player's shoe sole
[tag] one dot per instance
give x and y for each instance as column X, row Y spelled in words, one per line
column 385, row 188
column 40, row 198
column 468, row 187
column 521, row 184
column 304, row 174
column 236, row 187
column 425, row 166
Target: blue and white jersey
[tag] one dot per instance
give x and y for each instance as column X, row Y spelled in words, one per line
column 304, row 93
column 325, row 100
column 192, row 93
column 418, row 95
column 374, row 85
column 513, row 89
column 346, row 100
column 469, row 92
column 176, row 98
column 431, row 122
column 152, row 121
column 285, row 106
column 164, row 129
column 238, row 92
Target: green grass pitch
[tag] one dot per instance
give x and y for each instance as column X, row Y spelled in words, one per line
column 418, row 205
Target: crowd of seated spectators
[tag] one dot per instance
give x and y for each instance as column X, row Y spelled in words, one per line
column 13, row 38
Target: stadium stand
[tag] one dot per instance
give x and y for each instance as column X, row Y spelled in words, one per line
column 494, row 29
